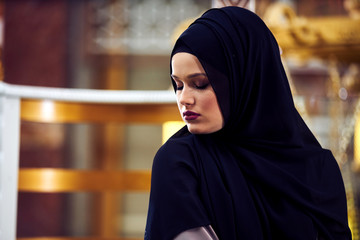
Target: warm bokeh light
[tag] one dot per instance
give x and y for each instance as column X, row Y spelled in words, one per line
column 169, row 128
column 47, row 110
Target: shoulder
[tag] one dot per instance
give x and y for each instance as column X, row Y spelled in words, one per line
column 176, row 161
column 175, row 204
column 179, row 150
column 180, row 141
column 183, row 144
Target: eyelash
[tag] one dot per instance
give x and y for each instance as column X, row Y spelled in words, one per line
column 202, row 86
column 197, row 87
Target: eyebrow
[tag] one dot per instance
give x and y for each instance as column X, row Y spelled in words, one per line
column 193, row 75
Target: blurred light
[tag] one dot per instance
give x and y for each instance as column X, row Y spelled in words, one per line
column 343, row 94
column 47, row 110
column 169, row 128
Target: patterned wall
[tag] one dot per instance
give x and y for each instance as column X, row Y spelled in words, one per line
column 138, row 27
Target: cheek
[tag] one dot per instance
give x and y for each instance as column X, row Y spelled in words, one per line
column 210, row 102
column 177, row 102
column 211, row 106
column 178, row 105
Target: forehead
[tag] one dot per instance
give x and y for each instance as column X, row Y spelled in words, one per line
column 184, row 63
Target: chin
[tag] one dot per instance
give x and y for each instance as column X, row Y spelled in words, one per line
column 196, row 130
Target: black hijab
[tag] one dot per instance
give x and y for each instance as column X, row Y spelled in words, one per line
column 264, row 175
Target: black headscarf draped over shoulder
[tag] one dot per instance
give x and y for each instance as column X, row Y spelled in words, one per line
column 264, row 175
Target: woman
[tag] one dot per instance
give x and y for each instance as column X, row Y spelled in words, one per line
column 245, row 166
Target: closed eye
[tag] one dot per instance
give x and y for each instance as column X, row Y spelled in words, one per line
column 202, row 86
column 179, row 84
column 179, row 87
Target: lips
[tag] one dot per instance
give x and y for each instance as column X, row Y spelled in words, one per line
column 189, row 115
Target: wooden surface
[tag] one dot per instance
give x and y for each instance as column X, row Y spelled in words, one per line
column 70, row 112
column 70, row 180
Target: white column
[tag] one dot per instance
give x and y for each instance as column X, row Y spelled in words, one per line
column 9, row 165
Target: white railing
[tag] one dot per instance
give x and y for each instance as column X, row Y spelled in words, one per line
column 87, row 95
column 10, row 96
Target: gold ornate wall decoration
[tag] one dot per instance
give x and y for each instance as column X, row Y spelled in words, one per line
column 353, row 8
column 316, row 37
column 351, row 79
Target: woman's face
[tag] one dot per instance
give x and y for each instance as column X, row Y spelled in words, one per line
column 195, row 96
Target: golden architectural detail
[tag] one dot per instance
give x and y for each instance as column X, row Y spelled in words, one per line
column 353, row 7
column 316, row 37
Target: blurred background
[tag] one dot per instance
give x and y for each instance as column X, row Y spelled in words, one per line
column 125, row 45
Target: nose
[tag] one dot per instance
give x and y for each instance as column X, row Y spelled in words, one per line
column 186, row 97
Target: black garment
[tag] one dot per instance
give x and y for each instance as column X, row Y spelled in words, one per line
column 264, row 175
